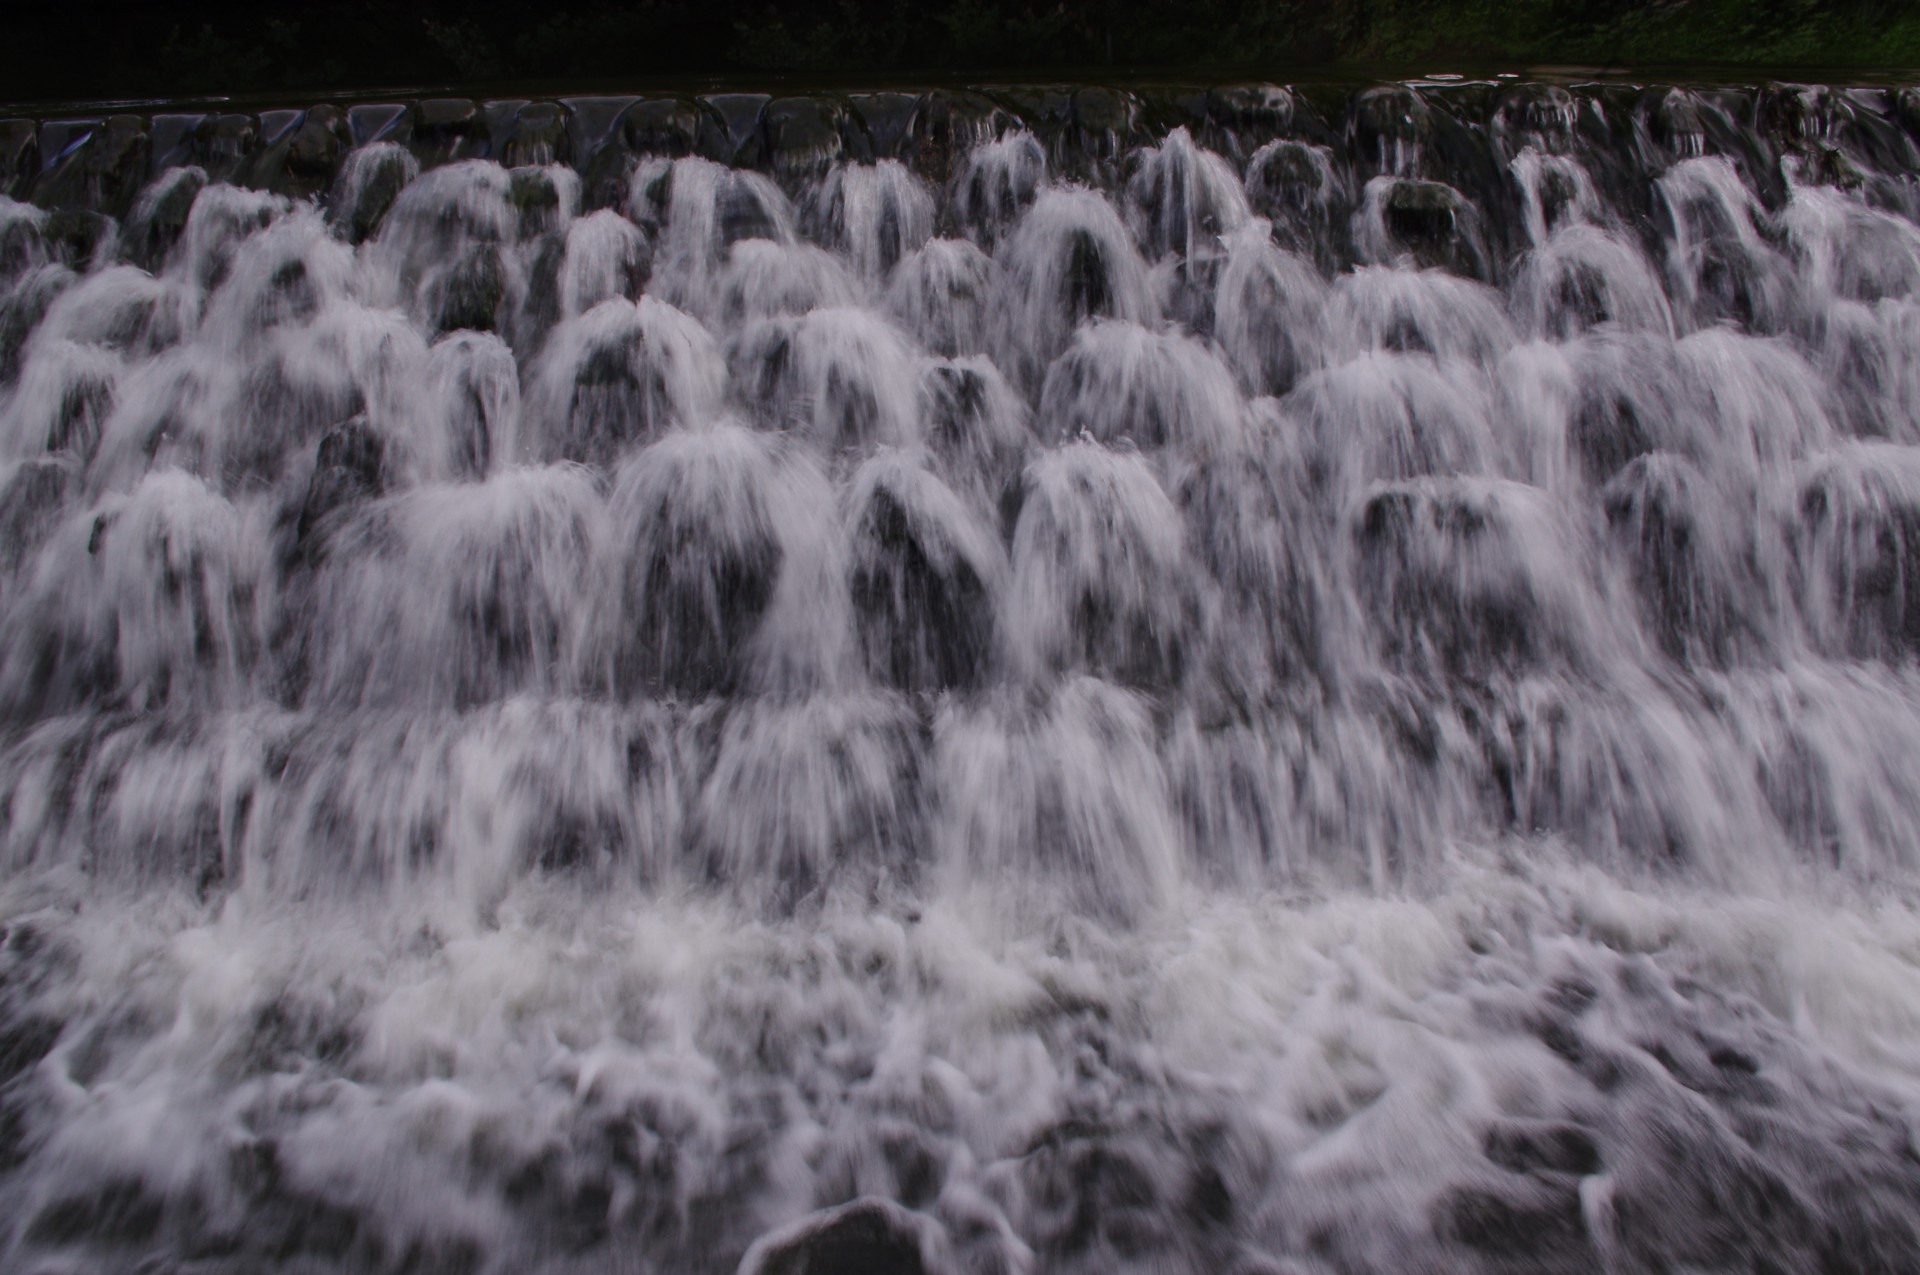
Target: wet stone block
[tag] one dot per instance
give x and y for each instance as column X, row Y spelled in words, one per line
column 448, row 128
column 1102, row 124
column 1423, row 212
column 318, row 145
column 538, row 136
column 24, row 1041
column 348, row 469
column 224, row 144
column 1541, row 115
column 1252, row 109
column 469, row 295
column 1389, row 128
column 373, row 180
column 532, row 193
column 888, row 119
column 1660, row 513
column 925, row 616
column 945, row 126
column 802, row 137
column 103, row 174
column 19, row 156
column 673, row 128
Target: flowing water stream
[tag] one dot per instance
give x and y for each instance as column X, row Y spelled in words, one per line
column 1264, row 681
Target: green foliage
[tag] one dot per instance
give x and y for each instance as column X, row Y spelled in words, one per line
column 466, row 46
column 833, row 37
column 982, row 33
column 228, row 46
column 1811, row 33
column 205, row 55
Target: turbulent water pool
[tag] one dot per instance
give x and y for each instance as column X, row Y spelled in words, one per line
column 1248, row 680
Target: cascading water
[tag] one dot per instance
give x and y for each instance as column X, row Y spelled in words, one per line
column 992, row 682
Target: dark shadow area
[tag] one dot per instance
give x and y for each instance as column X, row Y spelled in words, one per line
column 129, row 49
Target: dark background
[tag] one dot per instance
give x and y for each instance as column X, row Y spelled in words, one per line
column 146, row 48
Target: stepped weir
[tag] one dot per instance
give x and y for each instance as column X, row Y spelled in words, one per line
column 1306, row 680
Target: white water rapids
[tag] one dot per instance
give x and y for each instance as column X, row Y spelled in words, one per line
column 1251, row 681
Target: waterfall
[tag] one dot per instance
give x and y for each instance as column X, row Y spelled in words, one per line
column 1289, row 681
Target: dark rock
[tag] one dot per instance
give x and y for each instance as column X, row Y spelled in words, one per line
column 1541, row 1225
column 1237, row 119
column 1263, row 109
column 1103, row 112
column 290, row 1226
column 19, row 156
column 349, row 467
column 1831, row 166
column 372, row 122
column 1794, row 116
column 1860, row 538
column 356, row 214
column 684, row 640
column 302, row 153
column 470, row 293
column 1629, row 390
column 1663, row 518
column 449, row 128
column 1542, row 115
column 593, row 123
column 1674, row 121
column 673, row 127
column 1414, row 542
column 1389, row 127
column 101, row 173
column 1209, row 1202
column 1437, row 225
column 802, row 137
column 1906, row 108
column 539, row 303
column 538, row 135
column 224, row 145
column 1528, row 1145
column 1102, row 126
column 945, row 126
column 925, row 616
column 85, row 402
column 1288, row 177
column 738, row 141
column 535, row 197
column 1087, row 1187
column 866, row 1237
column 1423, row 212
column 888, row 119
column 317, row 146
column 121, row 1211
column 667, row 127
column 605, row 179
